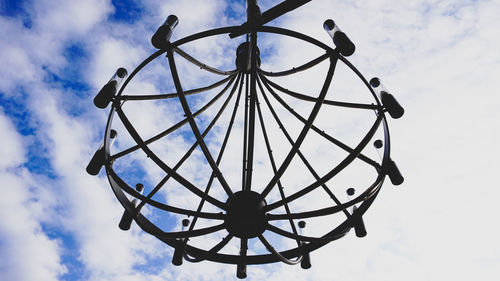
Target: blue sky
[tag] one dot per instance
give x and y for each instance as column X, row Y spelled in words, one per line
column 438, row 57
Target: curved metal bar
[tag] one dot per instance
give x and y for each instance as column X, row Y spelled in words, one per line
column 338, row 232
column 369, row 192
column 341, row 229
column 326, row 238
column 367, row 84
column 286, row 32
column 229, row 29
column 305, row 129
column 296, row 69
column 312, row 99
column 203, row 34
column 271, row 159
column 174, row 95
column 137, row 69
column 335, row 234
column 222, row 149
column 207, row 33
column 194, row 127
column 192, row 148
column 212, row 251
column 271, row 249
column 222, row 30
column 148, row 226
column 185, row 234
column 117, row 184
column 299, row 153
column 130, row 128
column 333, row 172
column 202, row 65
column 295, row 34
column 176, row 126
column 316, row 129
column 124, row 186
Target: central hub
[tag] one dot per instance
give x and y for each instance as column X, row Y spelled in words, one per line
column 245, row 217
column 243, row 57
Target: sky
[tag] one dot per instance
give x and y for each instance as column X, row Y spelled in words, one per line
column 439, row 59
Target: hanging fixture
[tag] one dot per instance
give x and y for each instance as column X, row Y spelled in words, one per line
column 254, row 219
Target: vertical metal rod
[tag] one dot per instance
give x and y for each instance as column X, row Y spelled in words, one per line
column 243, row 254
column 245, row 129
column 251, row 113
column 252, row 7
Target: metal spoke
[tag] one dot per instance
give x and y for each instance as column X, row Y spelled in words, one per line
column 193, row 125
column 177, row 125
column 135, row 135
column 333, row 172
column 328, row 102
column 222, row 149
column 298, row 68
column 337, row 233
column 271, row 249
column 202, row 65
column 305, row 129
column 316, row 129
column 192, row 148
column 185, row 234
column 174, row 95
column 210, row 252
column 271, row 160
column 121, row 185
column 299, row 153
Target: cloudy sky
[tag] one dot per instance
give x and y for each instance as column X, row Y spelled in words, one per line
column 439, row 58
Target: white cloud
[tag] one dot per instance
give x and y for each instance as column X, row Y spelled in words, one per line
column 12, row 150
column 64, row 19
column 27, row 252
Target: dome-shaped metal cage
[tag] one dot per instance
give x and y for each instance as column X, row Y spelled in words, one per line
column 256, row 214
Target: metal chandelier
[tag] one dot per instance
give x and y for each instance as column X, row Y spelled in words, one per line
column 256, row 220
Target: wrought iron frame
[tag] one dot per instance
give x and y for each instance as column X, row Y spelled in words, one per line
column 255, row 79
